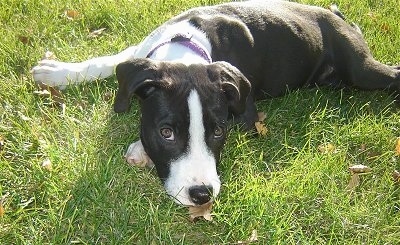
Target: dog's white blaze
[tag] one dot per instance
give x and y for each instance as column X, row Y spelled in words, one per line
column 197, row 166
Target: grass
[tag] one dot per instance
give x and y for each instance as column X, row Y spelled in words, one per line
column 282, row 185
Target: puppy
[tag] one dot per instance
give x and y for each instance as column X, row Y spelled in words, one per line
column 207, row 66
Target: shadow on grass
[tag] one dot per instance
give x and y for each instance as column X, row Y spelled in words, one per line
column 311, row 117
column 114, row 203
column 284, row 177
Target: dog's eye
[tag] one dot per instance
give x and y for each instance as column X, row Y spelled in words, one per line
column 218, row 132
column 167, row 134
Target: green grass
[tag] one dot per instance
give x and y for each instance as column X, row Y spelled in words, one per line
column 281, row 185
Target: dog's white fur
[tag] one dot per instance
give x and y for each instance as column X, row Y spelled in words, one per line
column 197, row 166
column 202, row 169
column 60, row 74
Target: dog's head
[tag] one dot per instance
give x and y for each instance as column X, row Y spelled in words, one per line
column 184, row 116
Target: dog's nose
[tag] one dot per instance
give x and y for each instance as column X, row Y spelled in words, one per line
column 200, row 194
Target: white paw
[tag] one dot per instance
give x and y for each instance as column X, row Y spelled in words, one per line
column 136, row 156
column 55, row 73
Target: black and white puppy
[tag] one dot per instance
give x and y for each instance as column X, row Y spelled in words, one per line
column 208, row 65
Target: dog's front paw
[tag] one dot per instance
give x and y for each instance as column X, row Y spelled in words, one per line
column 136, row 156
column 55, row 73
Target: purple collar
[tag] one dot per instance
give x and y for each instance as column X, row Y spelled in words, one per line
column 186, row 41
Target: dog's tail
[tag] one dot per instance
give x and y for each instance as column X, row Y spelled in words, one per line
column 334, row 9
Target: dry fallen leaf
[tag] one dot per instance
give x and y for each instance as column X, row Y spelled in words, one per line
column 71, row 14
column 2, row 200
column 252, row 238
column 48, row 91
column 326, row 148
column 261, row 128
column 354, row 182
column 355, row 170
column 96, row 33
column 398, row 146
column 42, row 93
column 56, row 95
column 24, row 39
column 396, row 176
column 2, row 211
column 359, row 168
column 201, row 211
column 1, row 143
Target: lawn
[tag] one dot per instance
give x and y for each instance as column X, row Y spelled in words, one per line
column 63, row 179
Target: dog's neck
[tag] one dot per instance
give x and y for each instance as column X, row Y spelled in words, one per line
column 179, row 42
column 195, row 50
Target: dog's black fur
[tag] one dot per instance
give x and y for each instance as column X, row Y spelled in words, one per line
column 213, row 64
column 280, row 46
column 259, row 50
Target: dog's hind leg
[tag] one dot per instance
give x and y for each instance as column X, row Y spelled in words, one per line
column 373, row 75
column 353, row 61
column 60, row 74
column 355, row 64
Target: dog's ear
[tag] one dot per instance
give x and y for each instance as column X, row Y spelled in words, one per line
column 137, row 76
column 234, row 84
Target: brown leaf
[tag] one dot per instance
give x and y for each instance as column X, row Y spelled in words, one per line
column 1, row 143
column 398, row 146
column 2, row 210
column 48, row 91
column 261, row 128
column 24, row 39
column 96, row 33
column 359, row 168
column 354, row 182
column 252, row 238
column 2, row 200
column 42, row 93
column 396, row 176
column 71, row 14
column 201, row 211
column 355, row 171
